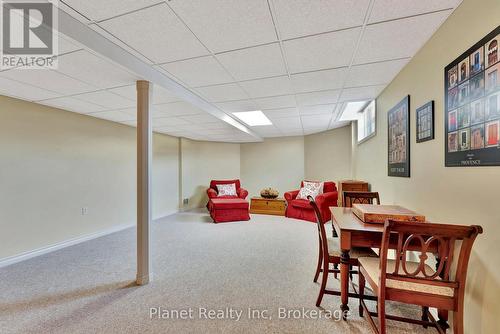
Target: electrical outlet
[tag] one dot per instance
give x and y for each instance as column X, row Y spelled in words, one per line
column 85, row 211
column 185, row 201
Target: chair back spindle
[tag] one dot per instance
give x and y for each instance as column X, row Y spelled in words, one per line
column 360, row 197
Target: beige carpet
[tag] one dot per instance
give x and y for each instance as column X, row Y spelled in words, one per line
column 265, row 264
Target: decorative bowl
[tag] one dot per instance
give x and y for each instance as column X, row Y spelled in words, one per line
column 269, row 193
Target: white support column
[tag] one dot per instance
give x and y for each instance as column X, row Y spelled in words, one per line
column 144, row 173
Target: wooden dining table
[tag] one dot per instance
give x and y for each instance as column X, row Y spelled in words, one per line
column 352, row 232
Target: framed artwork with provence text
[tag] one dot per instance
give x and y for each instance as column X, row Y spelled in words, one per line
column 472, row 105
column 398, row 124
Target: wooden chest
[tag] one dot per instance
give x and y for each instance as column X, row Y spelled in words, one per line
column 351, row 185
column 265, row 206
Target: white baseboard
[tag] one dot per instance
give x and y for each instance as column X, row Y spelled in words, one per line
column 63, row 244
column 70, row 242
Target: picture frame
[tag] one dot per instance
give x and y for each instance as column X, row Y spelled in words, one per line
column 425, row 122
column 398, row 146
column 472, row 105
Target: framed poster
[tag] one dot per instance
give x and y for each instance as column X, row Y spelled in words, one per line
column 472, row 108
column 398, row 119
column 425, row 122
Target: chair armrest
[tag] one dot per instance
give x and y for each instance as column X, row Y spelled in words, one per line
column 327, row 199
column 290, row 195
column 242, row 193
column 211, row 193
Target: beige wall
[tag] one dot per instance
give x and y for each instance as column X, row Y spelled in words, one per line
column 277, row 163
column 165, row 175
column 328, row 155
column 453, row 195
column 53, row 163
column 202, row 162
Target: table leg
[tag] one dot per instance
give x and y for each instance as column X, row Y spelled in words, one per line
column 344, row 283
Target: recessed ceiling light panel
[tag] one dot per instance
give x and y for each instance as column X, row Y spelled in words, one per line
column 253, row 118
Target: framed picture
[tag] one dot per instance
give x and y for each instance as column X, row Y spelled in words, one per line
column 425, row 122
column 472, row 105
column 398, row 126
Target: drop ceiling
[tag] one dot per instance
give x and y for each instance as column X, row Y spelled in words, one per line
column 297, row 61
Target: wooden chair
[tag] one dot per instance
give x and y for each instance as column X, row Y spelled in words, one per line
column 329, row 252
column 361, row 197
column 416, row 282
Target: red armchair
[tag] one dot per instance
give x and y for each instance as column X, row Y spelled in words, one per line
column 301, row 209
column 212, row 191
column 227, row 208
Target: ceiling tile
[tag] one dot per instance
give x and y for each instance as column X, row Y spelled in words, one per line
column 221, row 93
column 316, row 121
column 64, row 45
column 24, row 91
column 292, row 132
column 276, row 102
column 115, row 116
column 391, row 40
column 227, row 25
column 319, row 80
column 321, row 51
column 318, row 109
column 218, row 125
column 169, row 121
column 195, row 128
column 94, row 70
column 305, row 17
column 157, row 33
column 106, row 99
column 321, row 97
column 72, row 104
column 203, row 71
column 160, row 94
column 119, row 42
column 338, row 124
column 384, row 10
column 267, row 131
column 97, row 10
column 310, row 131
column 129, row 111
column 252, row 63
column 166, row 129
column 374, row 74
column 50, row 80
column 268, row 87
column 72, row 12
column 236, row 106
column 128, row 92
column 272, row 114
column 288, row 123
column 361, row 93
column 201, row 118
column 180, row 108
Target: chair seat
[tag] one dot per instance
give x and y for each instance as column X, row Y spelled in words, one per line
column 228, row 203
column 354, row 253
column 371, row 266
column 301, row 203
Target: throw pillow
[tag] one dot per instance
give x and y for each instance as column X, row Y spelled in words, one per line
column 310, row 189
column 226, row 190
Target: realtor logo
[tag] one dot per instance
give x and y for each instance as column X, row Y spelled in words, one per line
column 29, row 39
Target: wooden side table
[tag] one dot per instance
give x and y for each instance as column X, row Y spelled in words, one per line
column 351, row 185
column 267, row 206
